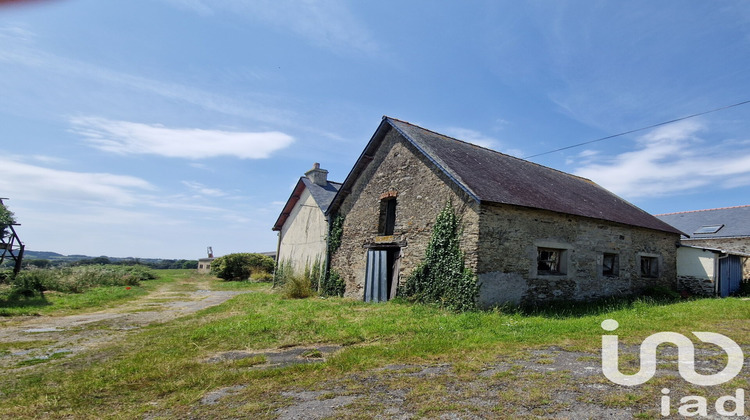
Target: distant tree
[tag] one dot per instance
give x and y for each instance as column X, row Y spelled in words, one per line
column 190, row 264
column 241, row 266
column 94, row 261
column 39, row 263
column 6, row 218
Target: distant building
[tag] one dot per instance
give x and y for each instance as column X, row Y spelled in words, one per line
column 204, row 265
column 302, row 224
column 715, row 256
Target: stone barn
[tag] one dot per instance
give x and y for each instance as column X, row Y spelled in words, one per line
column 532, row 234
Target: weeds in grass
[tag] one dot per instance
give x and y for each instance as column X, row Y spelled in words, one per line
column 297, row 287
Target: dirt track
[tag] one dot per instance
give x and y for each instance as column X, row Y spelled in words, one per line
column 59, row 336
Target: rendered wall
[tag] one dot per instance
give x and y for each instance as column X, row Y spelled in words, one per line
column 696, row 270
column 741, row 245
column 303, row 236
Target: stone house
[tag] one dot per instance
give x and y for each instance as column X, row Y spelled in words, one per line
column 302, row 225
column 532, row 234
column 715, row 256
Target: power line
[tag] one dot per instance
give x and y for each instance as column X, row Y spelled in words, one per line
column 639, row 129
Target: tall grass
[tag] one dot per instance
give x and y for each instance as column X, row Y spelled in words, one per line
column 78, row 279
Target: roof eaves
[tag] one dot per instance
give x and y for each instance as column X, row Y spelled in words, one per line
column 287, row 210
column 716, row 250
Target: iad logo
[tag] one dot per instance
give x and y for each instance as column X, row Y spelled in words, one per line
column 685, row 358
column 690, row 405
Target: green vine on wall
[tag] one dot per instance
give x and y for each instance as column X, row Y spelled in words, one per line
column 335, row 233
column 442, row 276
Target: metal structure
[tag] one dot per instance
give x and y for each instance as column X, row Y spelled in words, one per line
column 11, row 246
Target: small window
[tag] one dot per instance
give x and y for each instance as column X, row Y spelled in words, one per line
column 707, row 229
column 649, row 267
column 550, row 261
column 387, row 222
column 200, row 266
column 610, row 265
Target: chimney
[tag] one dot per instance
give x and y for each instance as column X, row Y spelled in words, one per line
column 317, row 176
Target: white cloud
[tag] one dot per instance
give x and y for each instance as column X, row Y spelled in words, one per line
column 16, row 51
column 471, row 136
column 476, row 137
column 324, row 23
column 36, row 183
column 671, row 159
column 125, row 137
column 203, row 190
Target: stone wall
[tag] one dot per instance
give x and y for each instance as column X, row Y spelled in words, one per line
column 698, row 286
column 741, row 245
column 507, row 261
column 421, row 191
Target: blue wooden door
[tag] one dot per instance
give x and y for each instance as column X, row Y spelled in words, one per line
column 376, row 276
column 730, row 275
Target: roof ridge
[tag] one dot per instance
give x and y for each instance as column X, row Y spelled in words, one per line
column 488, row 149
column 698, row 211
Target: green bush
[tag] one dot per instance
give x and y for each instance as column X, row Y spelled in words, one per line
column 240, row 266
column 442, row 276
column 332, row 284
column 297, row 287
column 262, row 277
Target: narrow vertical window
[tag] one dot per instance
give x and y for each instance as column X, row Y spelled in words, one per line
column 610, row 265
column 649, row 266
column 387, row 221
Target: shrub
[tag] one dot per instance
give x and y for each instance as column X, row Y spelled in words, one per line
column 297, row 287
column 30, row 282
column 240, row 266
column 332, row 284
column 442, row 276
column 262, row 277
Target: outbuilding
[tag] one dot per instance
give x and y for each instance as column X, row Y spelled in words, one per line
column 532, row 234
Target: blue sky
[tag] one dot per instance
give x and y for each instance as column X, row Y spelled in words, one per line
column 155, row 128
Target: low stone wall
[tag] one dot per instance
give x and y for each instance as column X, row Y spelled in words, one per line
column 696, row 286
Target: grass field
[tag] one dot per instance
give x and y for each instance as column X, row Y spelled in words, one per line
column 163, row 368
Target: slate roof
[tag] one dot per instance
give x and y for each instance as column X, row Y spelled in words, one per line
column 735, row 221
column 489, row 176
column 323, row 196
